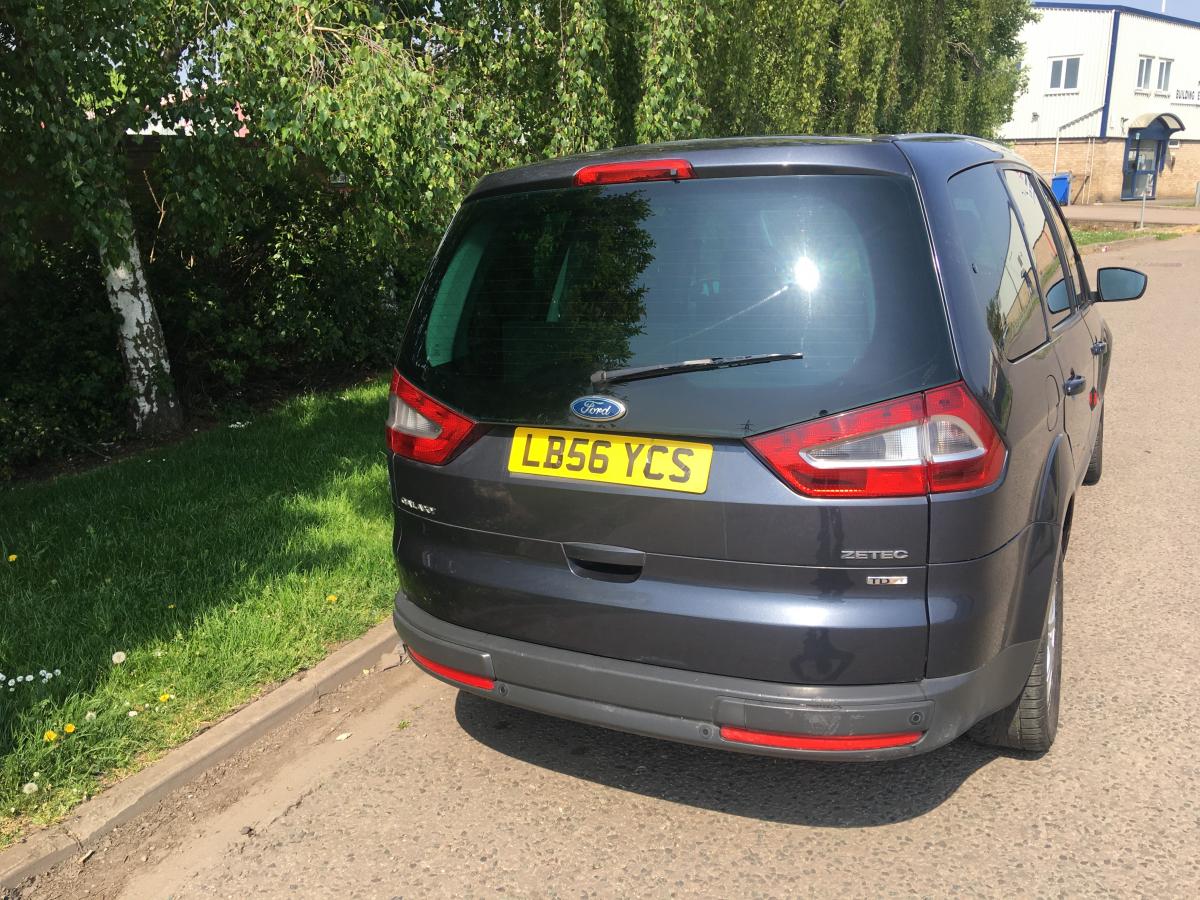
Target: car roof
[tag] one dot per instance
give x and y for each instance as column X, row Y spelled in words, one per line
column 929, row 154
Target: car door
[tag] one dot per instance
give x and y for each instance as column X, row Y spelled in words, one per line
column 1101, row 340
column 1069, row 334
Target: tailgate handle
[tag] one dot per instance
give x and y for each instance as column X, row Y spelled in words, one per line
column 605, row 562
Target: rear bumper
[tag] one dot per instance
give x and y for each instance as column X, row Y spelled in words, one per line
column 691, row 707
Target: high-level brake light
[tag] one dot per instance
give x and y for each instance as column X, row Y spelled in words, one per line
column 640, row 170
column 934, row 442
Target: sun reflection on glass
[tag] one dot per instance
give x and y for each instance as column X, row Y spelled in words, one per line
column 805, row 274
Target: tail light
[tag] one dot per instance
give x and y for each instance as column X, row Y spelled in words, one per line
column 625, row 172
column 420, row 428
column 933, row 442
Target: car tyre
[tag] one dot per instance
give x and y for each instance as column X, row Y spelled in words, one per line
column 1030, row 722
column 1096, row 465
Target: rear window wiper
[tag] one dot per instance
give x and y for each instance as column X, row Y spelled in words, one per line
column 637, row 373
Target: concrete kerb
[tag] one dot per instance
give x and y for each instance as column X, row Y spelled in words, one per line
column 123, row 801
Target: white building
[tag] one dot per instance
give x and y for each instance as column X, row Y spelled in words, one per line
column 1111, row 91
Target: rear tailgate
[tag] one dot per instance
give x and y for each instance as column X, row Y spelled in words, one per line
column 660, row 536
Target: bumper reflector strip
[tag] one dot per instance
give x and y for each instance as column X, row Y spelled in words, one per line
column 475, row 681
column 820, row 741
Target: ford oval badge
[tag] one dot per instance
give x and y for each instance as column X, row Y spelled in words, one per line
column 598, row 409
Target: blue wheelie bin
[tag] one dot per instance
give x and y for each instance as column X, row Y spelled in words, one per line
column 1060, row 186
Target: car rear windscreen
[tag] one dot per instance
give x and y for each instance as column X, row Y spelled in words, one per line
column 532, row 293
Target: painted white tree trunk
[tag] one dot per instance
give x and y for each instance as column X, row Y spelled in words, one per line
column 153, row 405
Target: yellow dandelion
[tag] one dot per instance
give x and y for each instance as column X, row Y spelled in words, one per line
column 332, row 598
column 170, row 606
column 50, row 737
column 163, row 698
column 12, row 557
column 69, row 728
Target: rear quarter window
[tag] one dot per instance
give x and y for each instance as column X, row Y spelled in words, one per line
column 1001, row 273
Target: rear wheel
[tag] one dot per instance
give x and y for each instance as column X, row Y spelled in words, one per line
column 1096, row 465
column 1031, row 721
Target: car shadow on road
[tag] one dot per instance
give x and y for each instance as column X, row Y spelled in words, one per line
column 795, row 792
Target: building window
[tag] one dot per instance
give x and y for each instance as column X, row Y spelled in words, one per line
column 1064, row 73
column 1145, row 65
column 1164, row 75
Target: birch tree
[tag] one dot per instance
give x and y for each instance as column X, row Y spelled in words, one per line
column 75, row 78
column 406, row 104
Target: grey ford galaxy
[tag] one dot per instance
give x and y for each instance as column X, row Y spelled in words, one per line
column 764, row 444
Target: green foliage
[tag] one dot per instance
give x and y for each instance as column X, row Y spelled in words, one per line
column 292, row 297
column 341, row 89
column 767, row 68
column 584, row 115
column 862, row 87
column 410, row 102
column 671, row 106
column 861, row 66
column 958, row 65
column 261, row 269
column 293, row 294
column 75, row 75
column 61, row 383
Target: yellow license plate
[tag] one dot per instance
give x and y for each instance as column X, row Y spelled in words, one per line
column 611, row 458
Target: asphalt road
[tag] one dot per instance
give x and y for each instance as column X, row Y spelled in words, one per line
column 440, row 794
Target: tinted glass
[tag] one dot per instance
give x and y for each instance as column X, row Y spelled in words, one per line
column 1000, row 268
column 534, row 292
column 1046, row 260
column 1075, row 274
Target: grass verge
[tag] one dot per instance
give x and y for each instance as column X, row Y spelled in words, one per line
column 211, row 568
column 1084, row 236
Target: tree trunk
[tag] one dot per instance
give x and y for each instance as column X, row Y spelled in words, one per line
column 153, row 406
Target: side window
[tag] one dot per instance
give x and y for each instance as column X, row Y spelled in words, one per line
column 999, row 263
column 1075, row 272
column 1047, row 263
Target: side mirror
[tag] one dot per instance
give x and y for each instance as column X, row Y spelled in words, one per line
column 1057, row 298
column 1116, row 283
